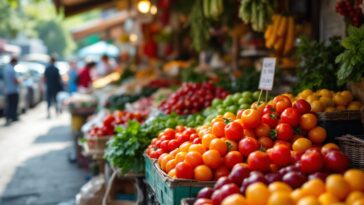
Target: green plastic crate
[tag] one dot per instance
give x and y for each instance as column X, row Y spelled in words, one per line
column 170, row 191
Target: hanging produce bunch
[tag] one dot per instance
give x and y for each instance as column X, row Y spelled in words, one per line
column 280, row 35
column 351, row 10
column 212, row 9
column 256, row 12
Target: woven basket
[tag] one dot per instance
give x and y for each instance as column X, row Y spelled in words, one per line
column 353, row 147
column 342, row 115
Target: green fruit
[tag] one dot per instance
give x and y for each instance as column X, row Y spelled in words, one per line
column 227, row 102
column 256, row 95
column 248, row 94
column 245, row 100
column 236, row 97
column 232, row 109
column 216, row 102
column 220, row 111
column 244, row 106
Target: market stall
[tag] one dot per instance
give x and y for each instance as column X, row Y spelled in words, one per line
column 253, row 108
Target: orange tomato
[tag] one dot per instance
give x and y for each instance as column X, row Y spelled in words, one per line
column 180, row 157
column 231, row 145
column 317, row 106
column 280, row 198
column 206, row 139
column 251, row 118
column 355, row 178
column 308, row 121
column 219, row 145
column 329, row 146
column 164, row 161
column 212, row 159
column 308, row 200
column 301, row 144
column 193, row 158
column 266, row 142
column 298, row 194
column 172, row 173
column 174, row 152
column 249, row 133
column 257, row 194
column 171, row 164
column 354, row 196
column 337, row 186
column 185, row 146
column 279, row 186
column 262, row 130
column 314, row 187
column 218, row 129
column 317, row 135
column 203, row 173
column 234, row 199
column 358, row 202
column 197, row 148
column 327, row 199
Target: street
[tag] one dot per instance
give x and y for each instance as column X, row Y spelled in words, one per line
column 34, row 166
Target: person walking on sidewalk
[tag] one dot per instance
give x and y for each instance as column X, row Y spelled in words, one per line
column 11, row 91
column 54, row 85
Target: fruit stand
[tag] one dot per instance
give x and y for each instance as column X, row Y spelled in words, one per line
column 193, row 134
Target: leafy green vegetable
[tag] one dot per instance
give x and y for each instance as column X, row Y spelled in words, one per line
column 199, row 26
column 317, row 64
column 351, row 60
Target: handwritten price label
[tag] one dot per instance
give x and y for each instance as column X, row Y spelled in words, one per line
column 267, row 75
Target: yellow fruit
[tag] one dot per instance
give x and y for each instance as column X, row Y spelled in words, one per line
column 325, row 93
column 312, row 98
column 301, row 144
column 327, row 101
column 359, row 202
column 340, row 108
column 280, row 198
column 354, row 196
column 279, row 186
column 257, row 194
column 308, row 200
column 317, row 106
column 337, row 185
column 347, row 95
column 314, row 187
column 234, row 199
column 298, row 194
column 330, row 109
column 340, row 100
column 306, row 93
column 355, row 178
column 355, row 105
column 327, row 199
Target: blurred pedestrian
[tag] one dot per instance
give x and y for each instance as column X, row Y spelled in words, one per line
column 12, row 91
column 84, row 77
column 105, row 66
column 72, row 77
column 54, row 85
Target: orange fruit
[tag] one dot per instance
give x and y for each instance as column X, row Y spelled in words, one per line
column 230, row 116
column 324, row 93
column 203, row 173
column 280, row 198
column 317, row 135
column 355, row 105
column 164, row 161
column 172, row 173
column 347, row 95
column 180, row 157
column 340, row 100
column 340, row 108
column 314, row 187
column 308, row 200
column 305, row 93
column 219, row 145
column 170, row 165
column 327, row 199
column 197, row 148
column 212, row 159
column 257, row 194
column 279, row 186
column 301, row 144
column 193, row 158
column 354, row 196
column 218, row 129
column 185, row 146
column 326, row 101
column 312, row 98
column 317, row 106
column 298, row 194
column 337, row 186
column 330, row 109
column 329, row 146
column 206, row 139
column 355, row 178
column 308, row 121
column 358, row 202
column 234, row 200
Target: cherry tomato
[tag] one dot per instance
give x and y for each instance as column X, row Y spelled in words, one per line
column 259, row 161
column 280, row 155
column 270, row 119
column 302, row 106
column 308, row 121
column 219, row 145
column 290, row 116
column 248, row 145
column 284, row 132
column 212, row 159
column 172, row 145
column 164, row 145
column 336, row 161
column 262, row 130
column 232, row 158
column 218, row 129
column 184, row 170
column 170, row 133
column 234, row 131
column 269, row 109
column 266, row 142
column 221, row 171
column 193, row 137
column 281, row 102
column 251, row 118
column 311, row 161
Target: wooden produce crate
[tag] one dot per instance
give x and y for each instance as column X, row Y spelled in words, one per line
column 353, row 147
column 170, row 191
column 340, row 123
column 95, row 146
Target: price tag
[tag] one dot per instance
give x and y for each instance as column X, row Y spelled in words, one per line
column 267, row 75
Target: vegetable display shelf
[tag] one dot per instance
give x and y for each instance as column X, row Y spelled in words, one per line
column 170, row 191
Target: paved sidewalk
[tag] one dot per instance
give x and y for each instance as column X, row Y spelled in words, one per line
column 34, row 167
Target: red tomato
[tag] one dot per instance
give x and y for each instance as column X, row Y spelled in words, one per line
column 193, row 137
column 251, row 118
column 156, row 154
column 220, row 172
column 269, row 109
column 266, row 142
column 248, row 145
column 336, row 161
column 290, row 116
column 259, row 161
column 234, row 131
column 233, row 158
column 280, row 155
column 218, row 129
column 284, row 132
column 270, row 119
column 170, row 133
column 311, row 161
column 172, row 145
column 302, row 106
column 181, row 138
column 109, row 120
column 238, row 115
column 262, row 130
column 197, row 141
column 180, row 128
column 164, row 145
column 184, row 170
column 281, row 102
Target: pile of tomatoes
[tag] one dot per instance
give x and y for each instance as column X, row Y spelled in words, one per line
column 192, row 98
column 109, row 122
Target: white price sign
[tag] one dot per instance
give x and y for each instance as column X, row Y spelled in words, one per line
column 267, row 75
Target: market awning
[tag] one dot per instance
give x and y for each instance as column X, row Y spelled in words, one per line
column 100, row 25
column 73, row 7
